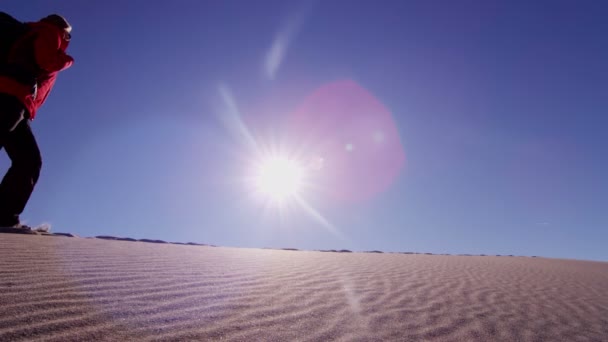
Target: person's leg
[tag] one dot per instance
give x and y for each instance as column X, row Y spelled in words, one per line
column 22, row 176
column 11, row 113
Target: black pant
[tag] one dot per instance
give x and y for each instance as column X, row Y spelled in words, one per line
column 20, row 144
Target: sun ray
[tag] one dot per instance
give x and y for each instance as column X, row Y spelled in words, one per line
column 231, row 118
column 316, row 215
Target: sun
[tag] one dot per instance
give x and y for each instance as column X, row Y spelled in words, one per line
column 278, row 178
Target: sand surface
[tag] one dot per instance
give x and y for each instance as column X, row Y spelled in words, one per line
column 56, row 288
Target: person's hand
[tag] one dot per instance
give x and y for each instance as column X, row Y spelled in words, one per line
column 69, row 61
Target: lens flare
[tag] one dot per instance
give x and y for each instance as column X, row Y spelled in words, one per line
column 355, row 134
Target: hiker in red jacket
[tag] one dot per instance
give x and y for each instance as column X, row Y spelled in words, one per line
column 26, row 80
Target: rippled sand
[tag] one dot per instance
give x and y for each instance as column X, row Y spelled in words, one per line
column 65, row 288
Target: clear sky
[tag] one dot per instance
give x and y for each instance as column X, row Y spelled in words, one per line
column 429, row 126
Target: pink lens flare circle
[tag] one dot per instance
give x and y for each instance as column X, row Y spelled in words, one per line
column 352, row 138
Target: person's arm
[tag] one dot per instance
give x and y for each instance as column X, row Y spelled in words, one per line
column 49, row 56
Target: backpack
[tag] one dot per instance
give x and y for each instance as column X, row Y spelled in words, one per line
column 11, row 29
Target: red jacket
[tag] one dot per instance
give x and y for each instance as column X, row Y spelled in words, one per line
column 49, row 45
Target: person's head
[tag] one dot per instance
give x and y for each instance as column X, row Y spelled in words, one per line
column 59, row 22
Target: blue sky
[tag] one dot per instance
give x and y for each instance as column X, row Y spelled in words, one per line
column 499, row 108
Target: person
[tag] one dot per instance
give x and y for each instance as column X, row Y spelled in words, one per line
column 26, row 78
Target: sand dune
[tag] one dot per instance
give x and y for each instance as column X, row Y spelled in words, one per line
column 67, row 288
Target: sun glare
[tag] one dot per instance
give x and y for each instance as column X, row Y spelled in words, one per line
column 279, row 178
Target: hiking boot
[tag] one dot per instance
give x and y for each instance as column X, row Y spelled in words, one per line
column 20, row 226
column 17, row 229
